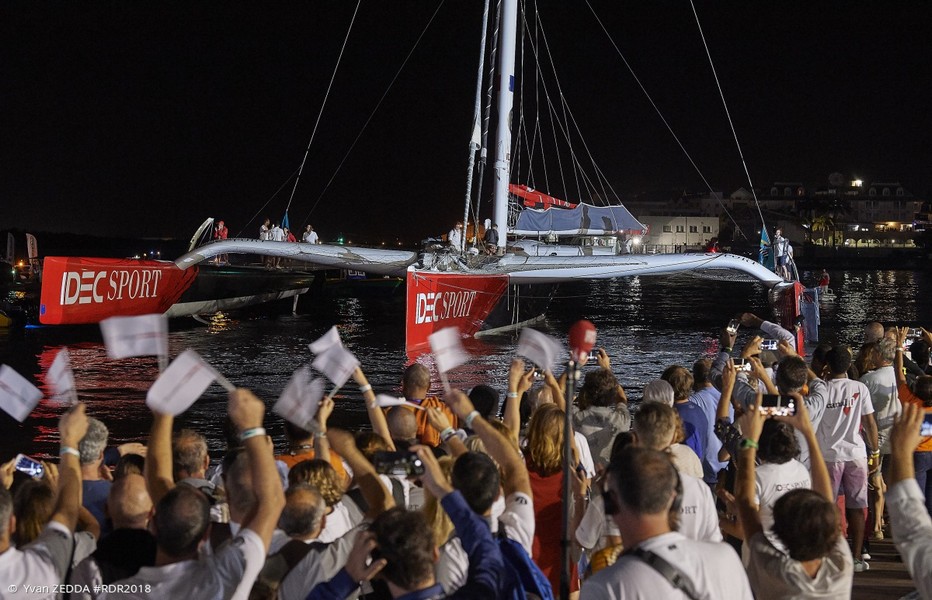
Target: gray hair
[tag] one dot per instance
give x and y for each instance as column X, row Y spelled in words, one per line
column 189, row 448
column 304, row 510
column 93, row 442
column 887, row 348
column 659, row 390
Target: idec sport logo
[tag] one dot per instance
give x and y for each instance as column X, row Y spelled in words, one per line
column 88, row 290
column 96, row 286
column 432, row 307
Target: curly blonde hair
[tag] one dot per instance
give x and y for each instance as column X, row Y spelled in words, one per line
column 544, row 449
column 321, row 475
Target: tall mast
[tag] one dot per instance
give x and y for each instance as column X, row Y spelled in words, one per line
column 506, row 93
column 476, row 132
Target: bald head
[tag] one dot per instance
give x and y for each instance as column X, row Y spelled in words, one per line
column 129, row 504
column 873, row 332
column 402, row 424
column 416, row 381
column 304, row 510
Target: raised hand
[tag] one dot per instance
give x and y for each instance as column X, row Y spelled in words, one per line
column 459, row 403
column 604, row 361
column 433, row 478
column 324, row 410
column 358, row 566
column 73, row 425
column 245, row 409
column 437, row 419
column 751, row 423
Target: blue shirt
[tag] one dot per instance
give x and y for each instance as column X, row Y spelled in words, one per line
column 707, row 400
column 696, row 425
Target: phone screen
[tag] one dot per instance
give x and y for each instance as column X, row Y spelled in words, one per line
column 926, row 427
column 773, row 404
column 742, row 364
column 30, row 467
column 768, row 345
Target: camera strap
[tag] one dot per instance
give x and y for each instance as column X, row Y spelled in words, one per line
column 676, row 577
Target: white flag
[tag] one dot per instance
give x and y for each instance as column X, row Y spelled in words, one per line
column 299, row 402
column 61, row 379
column 17, row 396
column 447, row 346
column 180, row 384
column 337, row 363
column 540, row 348
column 144, row 335
column 385, row 401
column 326, row 341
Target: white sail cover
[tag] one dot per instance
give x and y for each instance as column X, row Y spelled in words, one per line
column 585, row 219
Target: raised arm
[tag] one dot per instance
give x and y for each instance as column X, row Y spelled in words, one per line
column 606, row 363
column 556, row 388
column 377, row 497
column 376, row 416
column 515, row 476
column 247, row 413
column 818, row 472
column 71, row 426
column 321, row 445
column 729, row 374
column 762, row 375
column 519, row 382
column 451, row 441
column 752, row 423
column 158, row 465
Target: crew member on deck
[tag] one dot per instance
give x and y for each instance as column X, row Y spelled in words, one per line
column 455, row 237
column 220, row 233
column 310, row 236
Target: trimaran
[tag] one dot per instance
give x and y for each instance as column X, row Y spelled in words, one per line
column 445, row 287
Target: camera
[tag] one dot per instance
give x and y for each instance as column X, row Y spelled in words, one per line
column 773, row 404
column 742, row 364
column 29, row 466
column 399, row 464
column 925, row 429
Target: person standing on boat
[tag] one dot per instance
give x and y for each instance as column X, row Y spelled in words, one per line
column 265, row 230
column 779, row 248
column 310, row 236
column 823, row 282
column 455, row 237
column 289, row 236
column 491, row 239
column 277, row 234
column 221, row 233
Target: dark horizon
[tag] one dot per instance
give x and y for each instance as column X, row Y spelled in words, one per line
column 137, row 121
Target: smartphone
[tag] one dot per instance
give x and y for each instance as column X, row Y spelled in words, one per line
column 925, row 429
column 773, row 404
column 914, row 333
column 29, row 466
column 733, row 326
column 769, row 344
column 742, row 364
column 401, row 464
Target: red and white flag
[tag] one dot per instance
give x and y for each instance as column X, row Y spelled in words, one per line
column 180, row 384
column 298, row 403
column 60, row 378
column 17, row 396
column 539, row 348
column 326, row 341
column 143, row 335
column 386, row 401
column 337, row 363
column 447, row 346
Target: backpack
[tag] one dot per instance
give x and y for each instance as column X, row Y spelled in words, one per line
column 527, row 580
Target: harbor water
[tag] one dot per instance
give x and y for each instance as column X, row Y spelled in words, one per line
column 645, row 324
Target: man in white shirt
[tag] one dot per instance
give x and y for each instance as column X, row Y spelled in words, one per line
column 310, row 236
column 641, row 492
column 848, row 409
column 182, row 517
column 455, row 237
column 45, row 561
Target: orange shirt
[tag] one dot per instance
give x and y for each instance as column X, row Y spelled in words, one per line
column 907, row 395
column 307, row 453
column 425, row 433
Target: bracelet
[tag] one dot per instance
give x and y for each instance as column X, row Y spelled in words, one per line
column 69, row 450
column 726, row 348
column 373, row 404
column 875, row 453
column 322, row 434
column 512, row 394
column 365, row 388
column 251, row 433
column 470, row 418
column 446, row 433
column 749, row 443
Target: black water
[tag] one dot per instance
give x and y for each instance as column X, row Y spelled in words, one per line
column 645, row 324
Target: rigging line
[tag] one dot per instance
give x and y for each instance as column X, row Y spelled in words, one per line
column 475, row 137
column 272, row 197
column 374, row 110
column 727, row 113
column 322, row 106
column 660, row 114
column 487, row 113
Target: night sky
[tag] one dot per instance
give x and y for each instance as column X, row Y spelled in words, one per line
column 142, row 119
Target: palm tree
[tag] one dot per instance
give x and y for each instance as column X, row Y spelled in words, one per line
column 824, row 223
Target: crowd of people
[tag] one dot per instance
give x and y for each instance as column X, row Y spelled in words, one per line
column 723, row 482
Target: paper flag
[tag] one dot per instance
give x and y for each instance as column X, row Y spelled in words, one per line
column 144, row 335
column 447, row 347
column 180, row 384
column 299, row 402
column 61, row 379
column 337, row 363
column 17, row 396
column 385, row 401
column 540, row 348
column 326, row 341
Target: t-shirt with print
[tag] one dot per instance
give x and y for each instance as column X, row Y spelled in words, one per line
column 839, row 431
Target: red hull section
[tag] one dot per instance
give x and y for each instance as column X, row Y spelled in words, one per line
column 439, row 300
column 79, row 290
